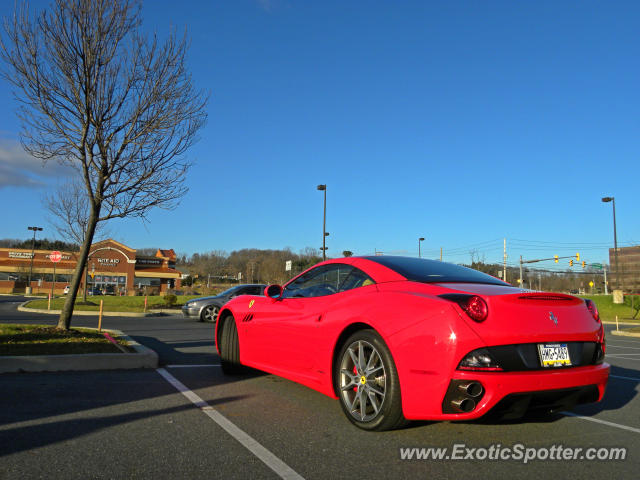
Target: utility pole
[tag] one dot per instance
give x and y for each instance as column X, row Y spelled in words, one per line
column 440, row 253
column 521, row 283
column 604, row 265
column 504, row 267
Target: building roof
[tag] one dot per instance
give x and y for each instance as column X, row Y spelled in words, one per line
column 170, row 254
column 111, row 240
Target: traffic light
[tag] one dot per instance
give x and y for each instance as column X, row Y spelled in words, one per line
column 556, row 258
column 583, row 264
column 578, row 256
column 571, row 263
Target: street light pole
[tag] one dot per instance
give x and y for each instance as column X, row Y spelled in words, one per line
column 420, row 240
column 323, row 188
column 615, row 238
column 33, row 247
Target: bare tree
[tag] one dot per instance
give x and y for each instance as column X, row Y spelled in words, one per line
column 95, row 93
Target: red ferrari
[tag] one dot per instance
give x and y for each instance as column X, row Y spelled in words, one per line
column 399, row 338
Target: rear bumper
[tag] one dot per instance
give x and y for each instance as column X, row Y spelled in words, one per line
column 514, row 406
column 511, row 394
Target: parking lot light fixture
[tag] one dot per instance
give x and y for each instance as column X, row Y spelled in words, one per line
column 615, row 237
column 33, row 248
column 323, row 188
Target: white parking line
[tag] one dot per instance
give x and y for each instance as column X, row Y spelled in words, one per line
column 618, row 339
column 620, row 346
column 193, row 366
column 269, row 459
column 625, row 378
column 603, row 422
column 624, row 355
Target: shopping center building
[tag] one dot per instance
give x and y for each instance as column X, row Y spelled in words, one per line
column 111, row 268
column 628, row 269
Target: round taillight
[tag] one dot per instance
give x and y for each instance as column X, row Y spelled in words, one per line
column 591, row 305
column 476, row 308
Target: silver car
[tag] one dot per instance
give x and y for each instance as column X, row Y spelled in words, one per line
column 206, row 309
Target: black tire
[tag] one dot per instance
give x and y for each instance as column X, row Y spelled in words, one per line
column 368, row 387
column 209, row 313
column 230, row 347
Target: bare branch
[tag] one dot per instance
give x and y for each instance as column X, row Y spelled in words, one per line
column 69, row 211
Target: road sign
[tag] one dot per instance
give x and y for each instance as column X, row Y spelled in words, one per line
column 55, row 256
column 287, row 265
column 596, row 265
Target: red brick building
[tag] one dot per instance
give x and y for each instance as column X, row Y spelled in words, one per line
column 112, row 268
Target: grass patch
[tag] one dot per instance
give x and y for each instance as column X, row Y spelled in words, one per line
column 608, row 310
column 112, row 303
column 633, row 330
column 16, row 339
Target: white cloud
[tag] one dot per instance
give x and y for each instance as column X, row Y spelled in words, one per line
column 19, row 169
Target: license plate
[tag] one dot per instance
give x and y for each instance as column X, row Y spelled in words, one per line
column 554, row 354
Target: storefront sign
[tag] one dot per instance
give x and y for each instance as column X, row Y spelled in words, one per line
column 148, row 261
column 108, row 261
column 20, row 255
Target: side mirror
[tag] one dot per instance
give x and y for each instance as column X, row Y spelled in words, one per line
column 273, row 291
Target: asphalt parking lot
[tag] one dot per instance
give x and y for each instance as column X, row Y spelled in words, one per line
column 137, row 424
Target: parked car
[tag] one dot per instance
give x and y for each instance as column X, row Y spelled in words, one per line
column 400, row 338
column 206, row 309
column 94, row 291
column 66, row 290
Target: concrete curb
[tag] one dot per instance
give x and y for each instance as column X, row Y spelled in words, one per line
column 150, row 313
column 624, row 333
column 22, row 295
column 143, row 357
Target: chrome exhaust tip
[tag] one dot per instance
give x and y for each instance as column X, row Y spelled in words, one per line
column 471, row 389
column 464, row 405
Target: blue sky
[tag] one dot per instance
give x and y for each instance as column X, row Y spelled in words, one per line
column 461, row 122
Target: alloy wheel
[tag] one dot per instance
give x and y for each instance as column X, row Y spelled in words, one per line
column 363, row 380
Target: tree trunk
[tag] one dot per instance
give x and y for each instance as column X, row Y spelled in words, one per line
column 64, row 321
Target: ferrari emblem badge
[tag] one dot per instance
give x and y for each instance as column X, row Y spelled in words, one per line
column 363, row 380
column 553, row 318
column 251, row 303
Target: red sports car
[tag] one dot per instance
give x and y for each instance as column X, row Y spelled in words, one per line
column 399, row 338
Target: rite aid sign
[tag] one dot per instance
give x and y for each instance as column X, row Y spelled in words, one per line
column 55, row 257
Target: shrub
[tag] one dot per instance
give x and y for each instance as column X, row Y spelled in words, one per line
column 170, row 300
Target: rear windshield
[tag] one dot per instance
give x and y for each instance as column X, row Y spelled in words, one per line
column 433, row 271
column 230, row 290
